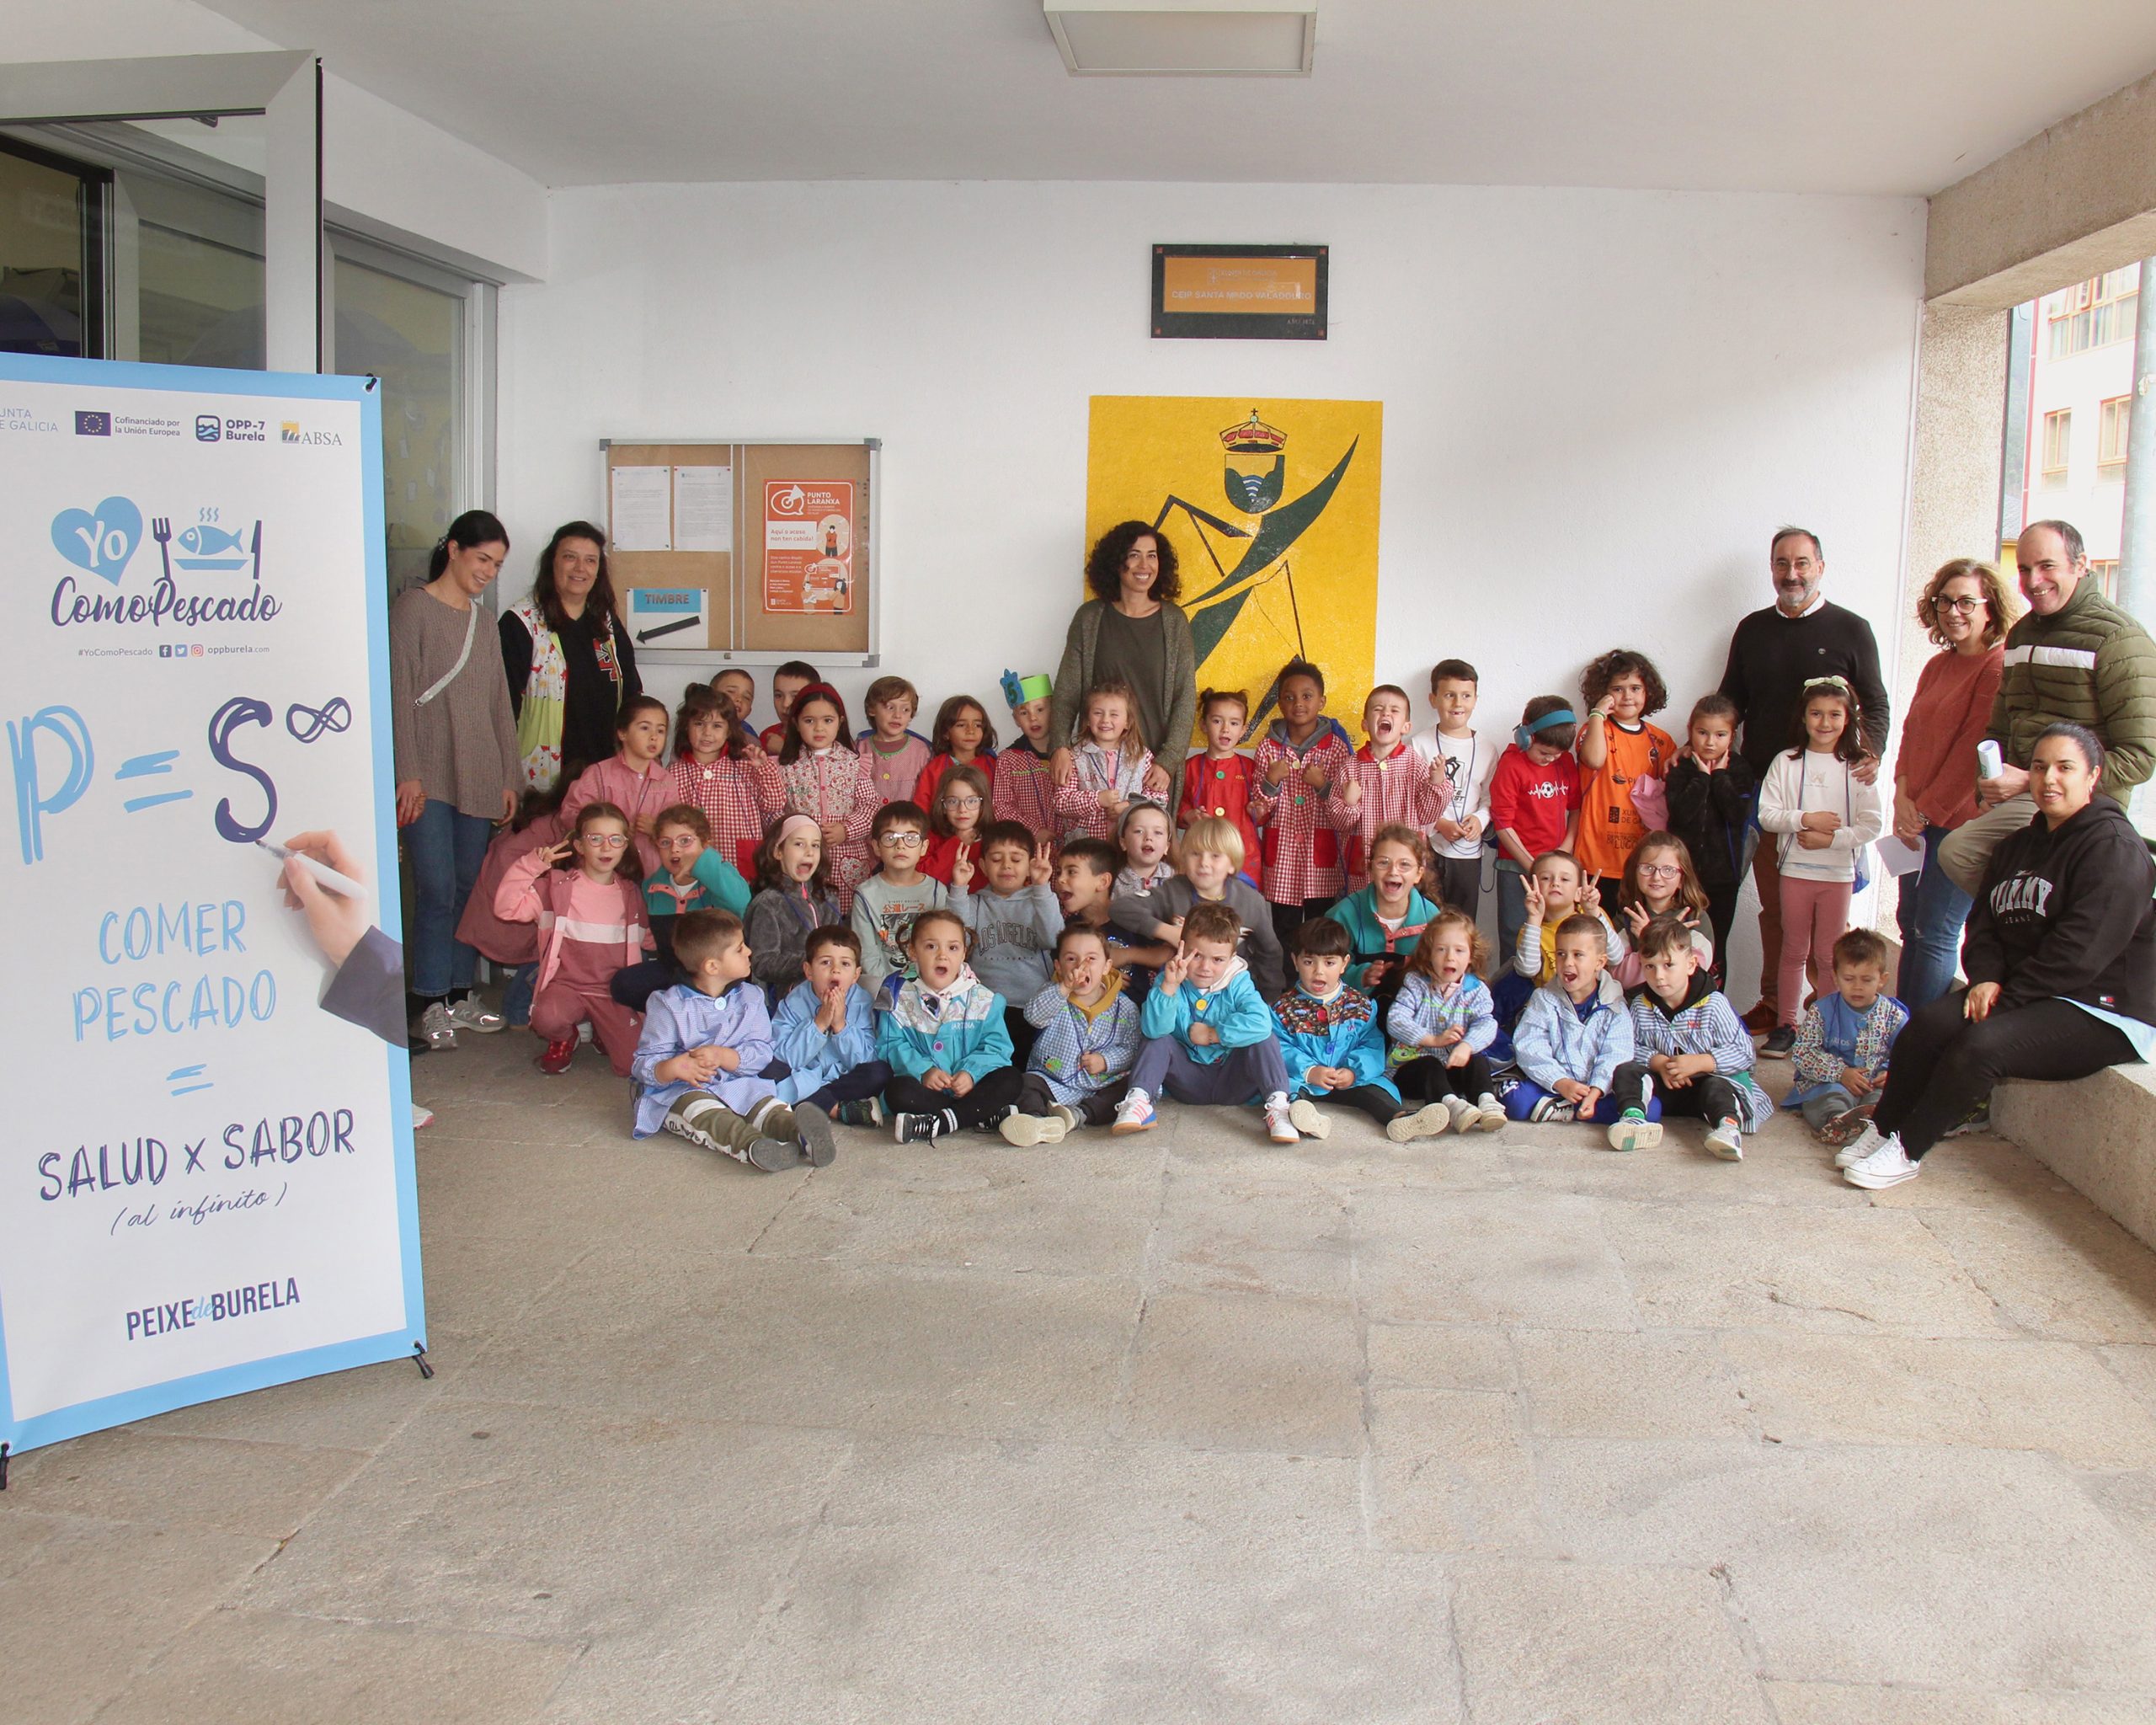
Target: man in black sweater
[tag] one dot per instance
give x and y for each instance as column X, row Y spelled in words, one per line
column 1772, row 655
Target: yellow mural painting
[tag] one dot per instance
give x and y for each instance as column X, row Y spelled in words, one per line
column 1272, row 507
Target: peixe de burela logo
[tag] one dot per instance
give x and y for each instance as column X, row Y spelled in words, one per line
column 101, row 543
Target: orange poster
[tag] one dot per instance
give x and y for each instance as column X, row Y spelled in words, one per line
column 808, row 547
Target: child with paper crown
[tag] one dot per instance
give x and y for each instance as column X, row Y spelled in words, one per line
column 1024, row 791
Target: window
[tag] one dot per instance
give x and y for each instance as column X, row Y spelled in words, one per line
column 2058, row 432
column 2111, row 432
column 49, row 255
column 126, row 241
column 2093, row 314
column 2104, row 571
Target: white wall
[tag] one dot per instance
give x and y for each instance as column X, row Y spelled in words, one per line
column 1597, row 405
column 395, row 169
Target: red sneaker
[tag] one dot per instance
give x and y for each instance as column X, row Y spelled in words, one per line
column 1761, row 1019
column 556, row 1060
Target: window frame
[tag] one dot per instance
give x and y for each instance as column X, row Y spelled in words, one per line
column 2056, row 429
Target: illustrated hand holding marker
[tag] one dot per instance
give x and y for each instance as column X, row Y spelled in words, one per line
column 321, row 878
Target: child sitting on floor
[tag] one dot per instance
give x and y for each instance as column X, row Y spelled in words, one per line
column 1842, row 1045
column 1690, row 1051
column 944, row 1041
column 1553, row 889
column 825, row 1032
column 1444, row 1025
column 1212, row 860
column 704, row 1043
column 1332, row 1036
column 1574, row 1034
column 1086, row 1026
column 1209, row 1036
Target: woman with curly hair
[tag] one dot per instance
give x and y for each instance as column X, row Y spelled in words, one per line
column 1131, row 630
column 567, row 657
column 1621, row 756
column 1963, row 610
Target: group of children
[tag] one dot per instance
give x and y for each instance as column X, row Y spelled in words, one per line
column 770, row 932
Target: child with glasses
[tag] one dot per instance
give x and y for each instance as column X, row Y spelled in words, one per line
column 958, row 815
column 583, row 893
column 1659, row 881
column 886, row 903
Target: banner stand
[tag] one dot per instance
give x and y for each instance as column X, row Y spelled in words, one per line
column 208, row 1184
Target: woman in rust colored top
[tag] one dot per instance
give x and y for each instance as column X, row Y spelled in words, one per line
column 1964, row 609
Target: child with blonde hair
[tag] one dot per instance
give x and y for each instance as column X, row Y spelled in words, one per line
column 1212, row 863
column 1444, row 1022
column 1107, row 767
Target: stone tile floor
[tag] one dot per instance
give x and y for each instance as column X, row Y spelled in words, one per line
column 1183, row 1427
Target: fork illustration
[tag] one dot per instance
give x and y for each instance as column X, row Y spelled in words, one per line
column 161, row 531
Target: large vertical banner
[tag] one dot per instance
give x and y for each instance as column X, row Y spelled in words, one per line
column 206, row 1184
column 1273, row 509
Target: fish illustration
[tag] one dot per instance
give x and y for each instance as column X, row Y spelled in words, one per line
column 208, row 541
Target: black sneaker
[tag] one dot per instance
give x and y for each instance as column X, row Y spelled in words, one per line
column 1781, row 1044
column 812, row 1127
column 923, row 1129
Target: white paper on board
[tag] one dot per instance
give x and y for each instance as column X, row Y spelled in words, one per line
column 643, row 509
column 1898, row 856
column 703, row 509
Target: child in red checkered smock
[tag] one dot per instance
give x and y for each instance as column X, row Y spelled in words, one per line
column 826, row 779
column 1217, row 781
column 1303, row 753
column 719, row 770
column 1107, row 768
column 1386, row 783
column 1024, row 787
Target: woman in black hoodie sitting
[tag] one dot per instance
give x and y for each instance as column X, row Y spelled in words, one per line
column 2061, row 954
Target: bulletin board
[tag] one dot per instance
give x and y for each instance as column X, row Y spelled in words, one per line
column 754, row 551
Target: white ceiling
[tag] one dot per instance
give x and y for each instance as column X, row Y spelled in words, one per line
column 1878, row 96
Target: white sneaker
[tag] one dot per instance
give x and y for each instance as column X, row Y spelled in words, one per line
column 1887, row 1166
column 1072, row 1120
column 1465, row 1116
column 1433, row 1120
column 1026, row 1130
column 1725, row 1138
column 1279, row 1120
column 1858, row 1148
column 1490, row 1111
column 1308, row 1121
column 439, row 1029
column 1134, row 1112
column 472, row 1013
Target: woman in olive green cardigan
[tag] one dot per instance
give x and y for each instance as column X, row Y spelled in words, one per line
column 1135, row 631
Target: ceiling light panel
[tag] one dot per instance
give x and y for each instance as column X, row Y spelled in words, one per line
column 1184, row 38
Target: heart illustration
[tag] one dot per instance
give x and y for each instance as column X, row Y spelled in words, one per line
column 100, row 540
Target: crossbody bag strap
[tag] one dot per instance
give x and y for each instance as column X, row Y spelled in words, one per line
column 449, row 676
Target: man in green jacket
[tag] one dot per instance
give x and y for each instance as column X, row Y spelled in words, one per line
column 2077, row 657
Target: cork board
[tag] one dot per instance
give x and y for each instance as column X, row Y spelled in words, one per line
column 776, row 540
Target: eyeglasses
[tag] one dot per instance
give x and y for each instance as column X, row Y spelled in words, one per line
column 1967, row 607
column 680, row 842
column 962, row 802
column 903, row 840
column 1659, row 871
column 605, row 840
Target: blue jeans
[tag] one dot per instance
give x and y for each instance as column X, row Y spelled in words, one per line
column 445, row 849
column 1932, row 911
column 516, row 998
